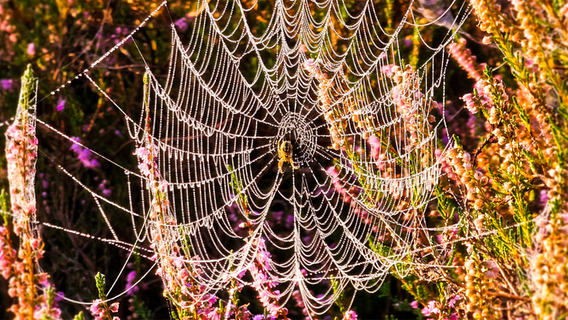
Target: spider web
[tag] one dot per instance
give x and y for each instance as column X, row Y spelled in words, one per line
column 341, row 208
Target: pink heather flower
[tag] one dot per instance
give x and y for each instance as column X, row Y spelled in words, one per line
column 332, row 171
column 310, row 65
column 431, row 308
column 214, row 315
column 95, row 306
column 494, row 269
column 34, row 243
column 31, row 49
column 178, row 261
column 465, row 59
column 375, row 146
column 350, row 315
column 453, row 301
column 183, row 274
column 543, row 197
column 469, row 103
column 114, row 307
column 163, row 186
column 60, row 104
column 388, row 69
column 142, row 152
column 414, row 304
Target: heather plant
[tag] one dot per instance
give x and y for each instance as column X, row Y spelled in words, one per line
column 26, row 282
column 491, row 245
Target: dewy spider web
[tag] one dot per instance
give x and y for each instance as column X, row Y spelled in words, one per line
column 329, row 161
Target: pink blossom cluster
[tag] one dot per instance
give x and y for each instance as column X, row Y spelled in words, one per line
column 45, row 311
column 21, row 155
column 411, row 104
column 7, row 253
column 324, row 84
column 10, row 33
column 435, row 309
column 350, row 315
column 24, row 280
column 262, row 281
column 335, row 124
column 466, row 60
column 484, row 95
column 336, row 182
column 101, row 311
column 263, row 317
column 389, row 69
column 472, row 102
column 348, row 195
column 300, row 302
column 263, row 284
column 377, row 152
column 446, row 167
column 178, row 276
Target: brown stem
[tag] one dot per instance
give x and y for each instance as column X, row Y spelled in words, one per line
column 508, row 296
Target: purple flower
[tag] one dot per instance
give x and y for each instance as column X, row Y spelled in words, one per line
column 289, row 221
column 181, row 24
column 7, row 84
column 59, row 296
column 60, row 104
column 130, row 281
column 107, row 192
column 414, row 304
column 277, row 215
column 131, row 276
column 84, row 155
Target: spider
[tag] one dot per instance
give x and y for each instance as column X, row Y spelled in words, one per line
column 285, row 154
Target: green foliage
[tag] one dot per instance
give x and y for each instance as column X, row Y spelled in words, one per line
column 140, row 309
column 101, row 285
column 28, row 90
column 79, row 316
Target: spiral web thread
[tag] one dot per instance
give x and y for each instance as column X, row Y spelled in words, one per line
column 329, row 161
